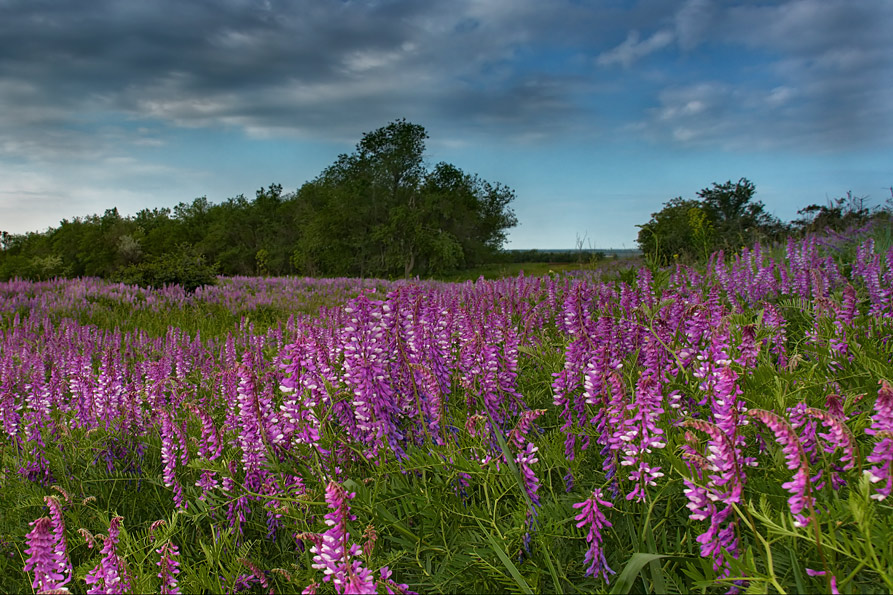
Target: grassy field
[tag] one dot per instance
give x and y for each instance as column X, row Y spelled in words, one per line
column 606, row 429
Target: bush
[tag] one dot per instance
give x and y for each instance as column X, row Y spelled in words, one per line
column 725, row 218
column 185, row 267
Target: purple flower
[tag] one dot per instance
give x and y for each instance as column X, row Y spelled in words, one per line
column 882, row 453
column 335, row 555
column 725, row 483
column 44, row 559
column 61, row 547
column 594, row 520
column 110, row 575
column 796, row 461
column 641, row 435
column 391, row 586
column 525, row 459
column 169, row 457
column 367, row 358
column 170, row 568
column 838, row 436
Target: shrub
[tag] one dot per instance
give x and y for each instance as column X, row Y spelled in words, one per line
column 185, row 267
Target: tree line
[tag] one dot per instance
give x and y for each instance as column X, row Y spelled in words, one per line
column 378, row 211
column 726, row 217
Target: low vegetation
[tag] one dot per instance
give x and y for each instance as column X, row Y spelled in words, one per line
column 708, row 428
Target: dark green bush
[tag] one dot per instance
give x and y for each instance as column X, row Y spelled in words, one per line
column 185, row 267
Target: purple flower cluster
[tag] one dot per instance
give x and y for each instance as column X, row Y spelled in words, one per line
column 335, row 555
column 47, row 555
column 525, row 459
column 593, row 520
column 110, row 575
column 796, row 460
column 169, row 568
column 377, row 375
column 713, row 502
column 882, row 453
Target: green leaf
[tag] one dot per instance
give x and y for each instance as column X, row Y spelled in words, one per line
column 512, row 569
column 632, row 569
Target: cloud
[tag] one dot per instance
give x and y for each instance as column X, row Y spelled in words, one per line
column 313, row 69
column 814, row 75
column 632, row 49
column 693, row 22
column 83, row 83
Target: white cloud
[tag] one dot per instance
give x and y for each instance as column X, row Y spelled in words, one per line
column 693, row 22
column 632, row 49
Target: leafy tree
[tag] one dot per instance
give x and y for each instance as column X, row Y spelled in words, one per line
column 378, row 211
column 375, row 212
column 738, row 219
column 725, row 218
column 682, row 229
column 837, row 215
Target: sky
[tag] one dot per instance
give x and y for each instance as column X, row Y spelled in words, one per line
column 595, row 113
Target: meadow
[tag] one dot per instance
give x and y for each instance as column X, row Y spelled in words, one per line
column 720, row 428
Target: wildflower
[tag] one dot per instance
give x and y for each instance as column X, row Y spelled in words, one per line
column 838, row 436
column 110, row 575
column 251, row 430
column 391, row 586
column 366, row 362
column 44, row 558
column 796, row 461
column 169, row 457
column 335, row 552
column 256, row 576
column 525, row 459
column 170, row 568
column 594, row 520
column 882, row 454
column 642, row 435
column 61, row 546
column 724, row 486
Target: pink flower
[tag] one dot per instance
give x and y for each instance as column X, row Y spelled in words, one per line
column 335, row 555
column 594, row 520
column 44, row 559
column 170, row 568
column 796, row 461
column 110, row 575
column 882, row 454
column 525, row 459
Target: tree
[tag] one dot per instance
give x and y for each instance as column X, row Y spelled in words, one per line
column 378, row 211
column 185, row 267
column 738, row 219
column 725, row 218
column 682, row 229
column 837, row 215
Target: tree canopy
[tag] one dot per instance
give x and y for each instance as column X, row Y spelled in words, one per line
column 378, row 211
column 725, row 218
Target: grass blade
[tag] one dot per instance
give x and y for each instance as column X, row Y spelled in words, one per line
column 509, row 565
column 632, row 569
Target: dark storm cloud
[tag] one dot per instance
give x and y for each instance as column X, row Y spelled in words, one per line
column 307, row 67
column 505, row 68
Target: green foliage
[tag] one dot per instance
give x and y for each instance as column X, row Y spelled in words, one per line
column 186, row 267
column 837, row 215
column 725, row 218
column 680, row 230
column 376, row 212
column 379, row 212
